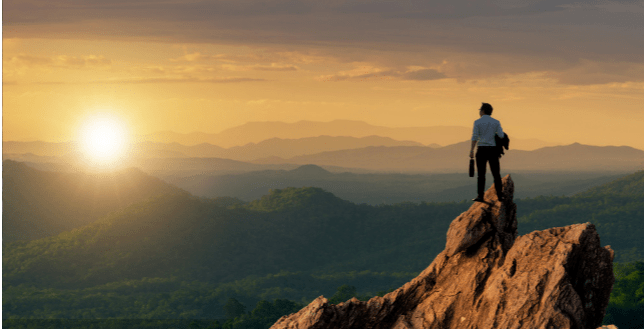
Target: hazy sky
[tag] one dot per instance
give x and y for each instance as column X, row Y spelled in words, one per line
column 553, row 70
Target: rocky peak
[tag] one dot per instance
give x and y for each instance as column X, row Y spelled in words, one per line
column 488, row 278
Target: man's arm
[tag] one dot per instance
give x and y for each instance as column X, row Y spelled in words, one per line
column 475, row 139
column 472, row 149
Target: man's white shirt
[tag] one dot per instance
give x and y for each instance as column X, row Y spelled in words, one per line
column 484, row 130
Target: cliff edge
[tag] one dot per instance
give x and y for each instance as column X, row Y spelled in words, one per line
column 488, row 278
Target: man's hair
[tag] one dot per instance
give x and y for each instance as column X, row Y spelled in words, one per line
column 486, row 108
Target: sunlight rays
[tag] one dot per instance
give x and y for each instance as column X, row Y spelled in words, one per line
column 104, row 141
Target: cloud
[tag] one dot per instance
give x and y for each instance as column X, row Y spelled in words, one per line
column 146, row 80
column 180, row 80
column 366, row 73
column 587, row 72
column 274, row 67
column 306, row 21
column 28, row 60
column 537, row 35
column 61, row 61
column 424, row 74
column 84, row 61
column 194, row 57
column 247, row 62
column 259, row 62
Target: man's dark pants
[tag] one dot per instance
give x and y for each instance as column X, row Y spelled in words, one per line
column 485, row 154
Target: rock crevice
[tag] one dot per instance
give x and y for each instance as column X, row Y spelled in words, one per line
column 487, row 277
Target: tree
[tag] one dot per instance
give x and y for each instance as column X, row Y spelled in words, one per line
column 344, row 293
column 233, row 308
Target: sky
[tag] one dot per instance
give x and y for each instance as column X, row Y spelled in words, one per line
column 559, row 71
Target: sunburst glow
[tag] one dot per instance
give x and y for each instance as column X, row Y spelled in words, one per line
column 104, row 140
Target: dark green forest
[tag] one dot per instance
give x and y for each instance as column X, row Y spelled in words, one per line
column 616, row 209
column 178, row 257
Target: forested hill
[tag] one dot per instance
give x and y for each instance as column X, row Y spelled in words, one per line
column 38, row 204
column 182, row 256
column 294, row 199
column 616, row 208
column 294, row 229
column 177, row 234
column 628, row 186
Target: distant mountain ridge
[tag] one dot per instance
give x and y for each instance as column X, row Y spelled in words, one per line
column 255, row 132
column 283, row 148
column 379, row 188
column 37, row 148
column 273, row 147
column 453, row 158
column 381, row 154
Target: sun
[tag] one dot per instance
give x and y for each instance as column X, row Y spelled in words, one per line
column 104, row 140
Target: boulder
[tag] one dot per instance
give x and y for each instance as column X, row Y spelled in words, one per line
column 487, row 277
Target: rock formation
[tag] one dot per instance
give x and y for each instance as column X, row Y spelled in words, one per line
column 488, row 278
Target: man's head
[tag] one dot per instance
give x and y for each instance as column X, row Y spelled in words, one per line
column 486, row 109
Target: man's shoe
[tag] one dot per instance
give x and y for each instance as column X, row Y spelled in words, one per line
column 478, row 199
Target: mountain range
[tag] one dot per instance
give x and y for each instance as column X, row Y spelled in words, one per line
column 277, row 139
column 274, row 147
column 178, row 255
column 453, row 158
column 380, row 188
column 255, row 132
column 164, row 160
column 285, row 148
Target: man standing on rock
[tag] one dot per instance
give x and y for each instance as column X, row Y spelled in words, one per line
column 485, row 128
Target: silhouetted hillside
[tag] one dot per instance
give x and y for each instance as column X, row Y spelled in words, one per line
column 631, row 185
column 349, row 153
column 574, row 157
column 381, row 188
column 38, row 148
column 255, row 132
column 273, row 147
column 182, row 167
column 38, row 203
column 304, row 229
column 287, row 148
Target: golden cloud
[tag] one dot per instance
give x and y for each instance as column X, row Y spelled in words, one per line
column 61, row 61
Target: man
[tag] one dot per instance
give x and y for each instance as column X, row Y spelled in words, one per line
column 485, row 128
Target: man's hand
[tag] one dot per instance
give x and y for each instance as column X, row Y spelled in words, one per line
column 472, row 149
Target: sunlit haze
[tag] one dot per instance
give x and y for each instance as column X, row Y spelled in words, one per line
column 562, row 73
column 104, row 140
